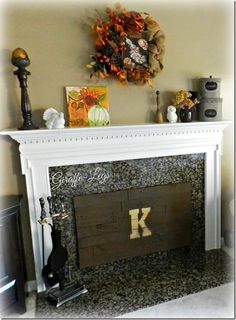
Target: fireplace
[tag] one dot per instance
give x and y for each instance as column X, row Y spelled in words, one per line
column 42, row 150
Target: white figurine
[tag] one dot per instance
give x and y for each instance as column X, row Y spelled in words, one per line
column 54, row 119
column 171, row 114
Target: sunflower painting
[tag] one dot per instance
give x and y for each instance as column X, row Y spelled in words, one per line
column 87, row 106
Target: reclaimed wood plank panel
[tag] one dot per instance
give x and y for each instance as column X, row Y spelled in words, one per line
column 133, row 222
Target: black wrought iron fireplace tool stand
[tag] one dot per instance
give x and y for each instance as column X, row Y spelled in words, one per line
column 53, row 272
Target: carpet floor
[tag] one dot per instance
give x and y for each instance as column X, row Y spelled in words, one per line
column 142, row 282
column 215, row 303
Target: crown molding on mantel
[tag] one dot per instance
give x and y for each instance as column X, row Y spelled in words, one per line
column 43, row 148
column 44, row 135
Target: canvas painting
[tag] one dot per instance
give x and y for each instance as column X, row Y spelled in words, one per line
column 87, row 106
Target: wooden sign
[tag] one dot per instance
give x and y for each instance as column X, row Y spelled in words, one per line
column 128, row 223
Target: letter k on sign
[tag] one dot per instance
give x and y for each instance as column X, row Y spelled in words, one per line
column 136, row 223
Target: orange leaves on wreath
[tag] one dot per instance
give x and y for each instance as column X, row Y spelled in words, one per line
column 110, row 44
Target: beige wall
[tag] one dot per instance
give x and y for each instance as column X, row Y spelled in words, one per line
column 199, row 43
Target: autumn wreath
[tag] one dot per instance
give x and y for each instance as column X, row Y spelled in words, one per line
column 129, row 47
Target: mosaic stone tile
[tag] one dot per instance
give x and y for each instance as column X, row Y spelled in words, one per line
column 102, row 177
column 145, row 281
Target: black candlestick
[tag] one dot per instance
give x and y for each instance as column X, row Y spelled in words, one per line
column 21, row 60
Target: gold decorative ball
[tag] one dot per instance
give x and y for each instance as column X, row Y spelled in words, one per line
column 20, row 58
column 19, row 53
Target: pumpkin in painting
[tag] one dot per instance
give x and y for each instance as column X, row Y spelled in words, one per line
column 98, row 116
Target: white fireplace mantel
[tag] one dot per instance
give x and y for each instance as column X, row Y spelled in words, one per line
column 43, row 148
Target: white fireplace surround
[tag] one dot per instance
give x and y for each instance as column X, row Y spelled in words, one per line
column 43, row 148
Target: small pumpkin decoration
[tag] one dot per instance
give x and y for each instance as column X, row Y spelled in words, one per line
column 98, row 116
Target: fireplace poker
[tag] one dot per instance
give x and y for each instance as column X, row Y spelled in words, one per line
column 42, row 221
column 63, row 210
column 52, row 207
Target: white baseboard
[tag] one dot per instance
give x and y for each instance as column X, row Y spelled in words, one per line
column 30, row 286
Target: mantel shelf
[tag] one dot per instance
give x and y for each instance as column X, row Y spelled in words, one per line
column 44, row 135
column 192, row 124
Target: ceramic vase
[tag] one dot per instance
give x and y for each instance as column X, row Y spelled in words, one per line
column 186, row 114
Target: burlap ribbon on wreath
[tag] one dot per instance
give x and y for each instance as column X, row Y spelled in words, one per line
column 156, row 49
